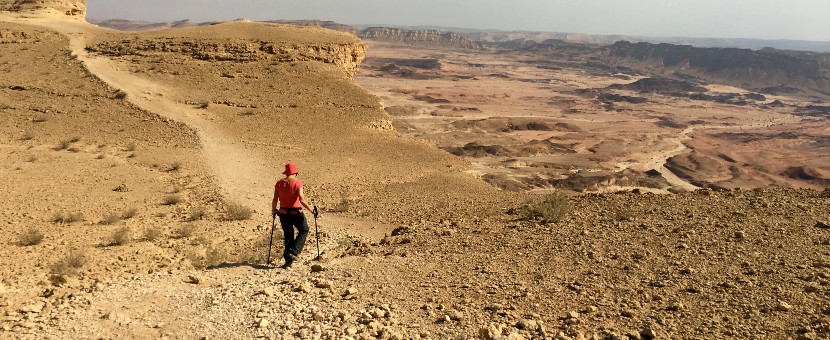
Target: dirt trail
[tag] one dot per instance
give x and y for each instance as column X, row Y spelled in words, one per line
column 243, row 176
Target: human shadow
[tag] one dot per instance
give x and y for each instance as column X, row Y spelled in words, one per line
column 227, row 265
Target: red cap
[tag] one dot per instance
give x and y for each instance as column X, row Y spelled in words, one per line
column 291, row 169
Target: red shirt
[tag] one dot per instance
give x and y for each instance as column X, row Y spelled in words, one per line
column 289, row 193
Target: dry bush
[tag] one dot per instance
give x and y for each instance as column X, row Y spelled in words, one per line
column 215, row 256
column 196, row 259
column 110, row 219
column 343, row 206
column 120, row 95
column 75, row 139
column 553, row 208
column 66, row 267
column 184, row 231
column 66, row 218
column 30, row 237
column 26, row 136
column 237, row 212
column 129, row 213
column 175, row 166
column 203, row 105
column 152, row 233
column 120, row 236
column 171, row 200
column 63, row 145
column 196, row 214
column 201, row 240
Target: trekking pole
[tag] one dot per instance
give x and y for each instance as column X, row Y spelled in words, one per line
column 270, row 241
column 317, row 232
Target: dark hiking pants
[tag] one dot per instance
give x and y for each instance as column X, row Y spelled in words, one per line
column 293, row 245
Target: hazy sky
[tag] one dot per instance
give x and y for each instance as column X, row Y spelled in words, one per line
column 766, row 19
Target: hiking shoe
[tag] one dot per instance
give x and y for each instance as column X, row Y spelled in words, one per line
column 291, row 257
column 287, row 264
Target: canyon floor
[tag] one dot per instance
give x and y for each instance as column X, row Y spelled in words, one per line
column 535, row 121
column 145, row 164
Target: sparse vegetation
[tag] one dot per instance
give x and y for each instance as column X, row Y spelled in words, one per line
column 75, row 139
column 32, row 236
column 171, row 200
column 200, row 240
column 203, row 105
column 247, row 113
column 130, row 147
column 66, row 218
column 66, row 267
column 196, row 214
column 184, row 231
column 175, row 166
column 63, row 145
column 129, row 213
column 196, row 259
column 101, row 156
column 120, row 236
column 26, row 136
column 237, row 212
column 120, row 94
column 553, row 208
column 212, row 257
column 343, row 205
column 110, row 219
column 152, row 233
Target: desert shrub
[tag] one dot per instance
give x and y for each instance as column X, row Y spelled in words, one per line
column 120, row 95
column 152, row 233
column 101, row 156
column 196, row 259
column 27, row 136
column 214, row 256
column 343, row 205
column 66, row 267
column 247, row 113
column 66, row 218
column 74, row 139
column 171, row 200
column 175, row 189
column 110, row 219
column 196, row 214
column 63, row 145
column 203, row 105
column 184, row 231
column 237, row 212
column 120, row 236
column 129, row 213
column 30, row 237
column 553, row 208
column 175, row 166
column 200, row 240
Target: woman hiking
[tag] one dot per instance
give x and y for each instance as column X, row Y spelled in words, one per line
column 287, row 204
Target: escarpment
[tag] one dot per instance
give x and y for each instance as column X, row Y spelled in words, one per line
column 430, row 38
column 75, row 8
column 251, row 42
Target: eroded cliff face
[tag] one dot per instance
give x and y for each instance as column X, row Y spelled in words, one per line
column 271, row 43
column 75, row 8
column 430, row 38
column 760, row 68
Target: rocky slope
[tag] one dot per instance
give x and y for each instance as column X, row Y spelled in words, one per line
column 75, row 8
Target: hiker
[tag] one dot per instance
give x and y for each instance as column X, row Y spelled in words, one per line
column 288, row 193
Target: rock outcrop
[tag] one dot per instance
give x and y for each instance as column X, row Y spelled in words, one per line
column 76, row 8
column 253, row 42
column 431, row 38
column 741, row 66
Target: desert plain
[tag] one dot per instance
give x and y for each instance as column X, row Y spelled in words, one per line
column 139, row 167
